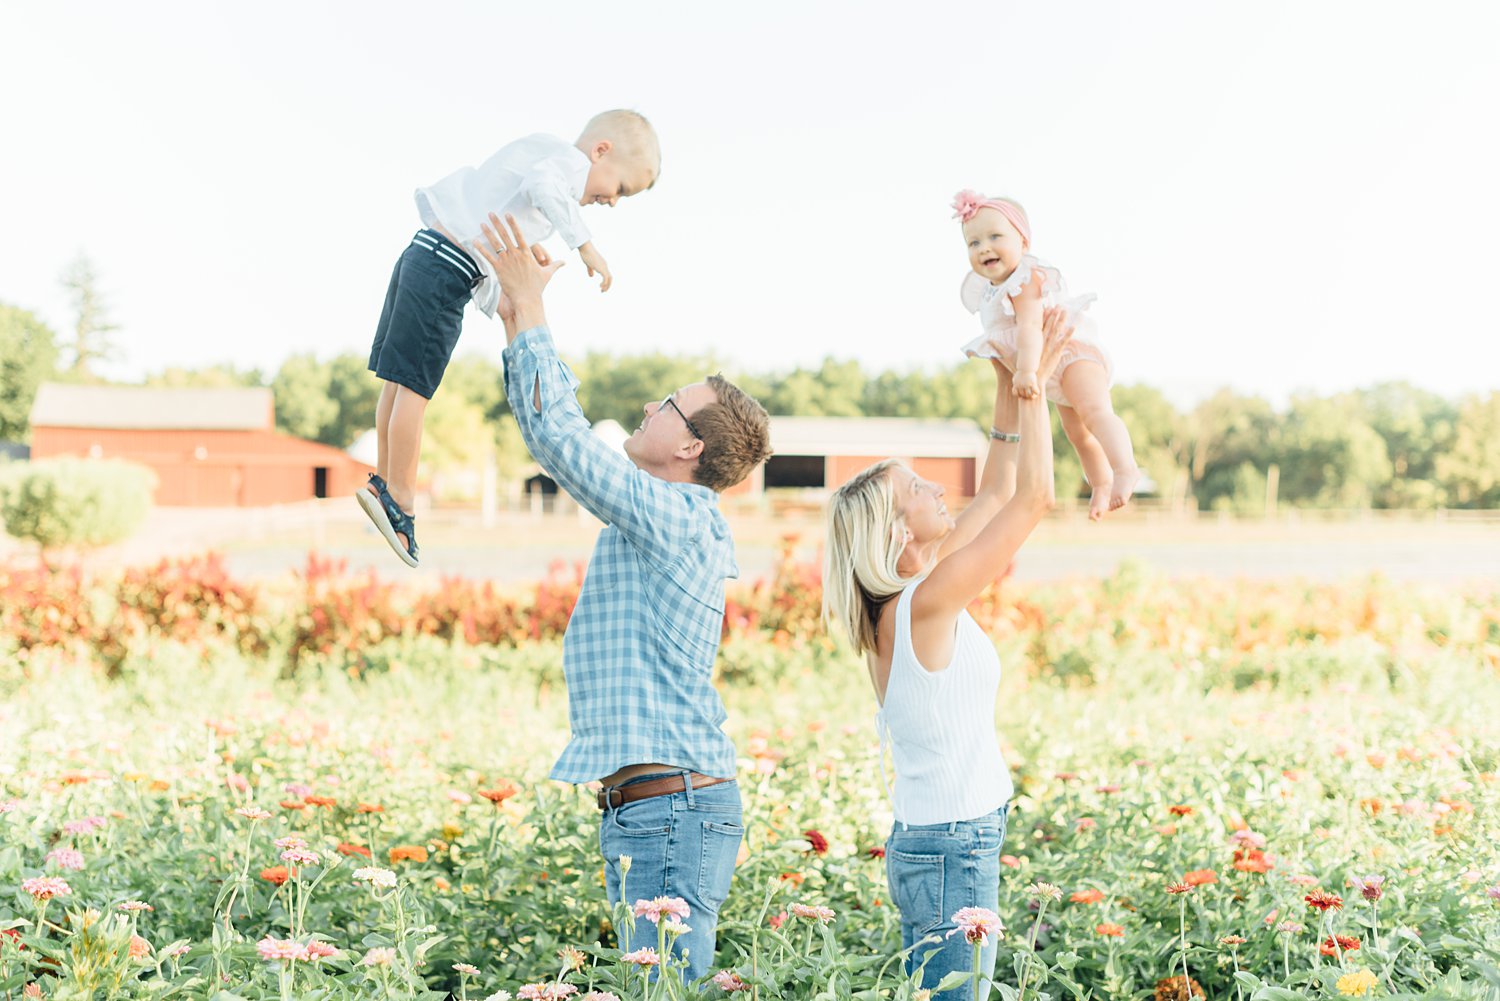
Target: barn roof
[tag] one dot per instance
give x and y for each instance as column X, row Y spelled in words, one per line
column 145, row 408
column 894, row 436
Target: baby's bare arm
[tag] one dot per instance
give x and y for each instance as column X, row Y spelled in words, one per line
column 1028, row 306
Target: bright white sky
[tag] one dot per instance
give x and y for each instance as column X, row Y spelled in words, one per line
column 1268, row 195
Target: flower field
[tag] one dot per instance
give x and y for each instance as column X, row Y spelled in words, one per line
column 335, row 788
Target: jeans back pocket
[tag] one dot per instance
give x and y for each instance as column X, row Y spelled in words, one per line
column 917, row 888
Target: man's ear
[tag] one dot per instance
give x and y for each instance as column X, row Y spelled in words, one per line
column 600, row 148
column 692, row 450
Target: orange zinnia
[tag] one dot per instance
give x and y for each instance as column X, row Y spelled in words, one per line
column 499, row 794
column 319, row 800
column 1109, row 930
column 345, row 848
column 1201, row 877
column 293, row 804
column 1086, row 896
column 415, row 853
column 369, row 808
column 276, row 875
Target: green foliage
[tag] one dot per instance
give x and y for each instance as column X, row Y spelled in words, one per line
column 74, row 502
column 28, row 357
column 1470, row 472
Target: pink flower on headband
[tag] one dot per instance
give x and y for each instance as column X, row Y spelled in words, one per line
column 966, row 203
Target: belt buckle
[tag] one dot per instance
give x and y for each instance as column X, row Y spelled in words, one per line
column 610, row 797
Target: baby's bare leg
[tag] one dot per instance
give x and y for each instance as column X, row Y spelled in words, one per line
column 1096, row 468
column 382, row 432
column 1087, row 387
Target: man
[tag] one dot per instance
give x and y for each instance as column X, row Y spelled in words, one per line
column 639, row 650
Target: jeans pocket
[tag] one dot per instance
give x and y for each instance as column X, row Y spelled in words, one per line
column 643, row 819
column 721, row 847
column 916, row 887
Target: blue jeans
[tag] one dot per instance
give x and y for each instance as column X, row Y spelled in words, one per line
column 933, row 870
column 683, row 844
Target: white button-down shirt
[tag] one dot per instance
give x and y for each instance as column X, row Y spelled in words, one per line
column 538, row 179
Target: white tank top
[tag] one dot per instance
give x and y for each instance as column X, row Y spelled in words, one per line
column 940, row 726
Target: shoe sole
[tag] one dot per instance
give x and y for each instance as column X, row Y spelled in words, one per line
column 372, row 507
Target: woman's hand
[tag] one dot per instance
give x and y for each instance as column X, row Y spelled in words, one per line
column 1057, row 331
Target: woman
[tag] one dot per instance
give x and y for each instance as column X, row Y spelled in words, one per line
column 898, row 574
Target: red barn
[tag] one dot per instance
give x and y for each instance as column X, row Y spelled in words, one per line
column 819, row 454
column 208, row 447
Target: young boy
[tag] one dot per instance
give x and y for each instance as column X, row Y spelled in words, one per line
column 541, row 181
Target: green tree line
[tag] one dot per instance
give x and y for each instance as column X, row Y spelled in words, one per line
column 1393, row 445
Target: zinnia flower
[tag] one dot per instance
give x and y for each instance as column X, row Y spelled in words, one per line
column 379, row 956
column 1045, row 891
column 500, row 793
column 290, row 841
column 572, row 956
column 1179, row 811
column 1086, row 896
column 659, row 907
column 136, row 906
column 346, row 848
column 1231, row 940
column 1347, row 943
column 818, row 842
column 1322, row 900
column 466, row 969
column 812, row 912
column 729, row 982
column 1356, row 984
column 1173, row 989
column 66, row 858
column 977, row 924
column 253, row 813
column 300, row 856
column 1109, row 930
column 641, row 957
column 139, row 948
column 275, row 875
column 316, row 950
column 1176, row 888
column 375, row 876
column 46, row 887
column 415, row 853
column 549, row 992
column 279, row 949
column 1369, row 887
column 1201, row 877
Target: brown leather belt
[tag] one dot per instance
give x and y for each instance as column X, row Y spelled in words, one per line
column 620, row 795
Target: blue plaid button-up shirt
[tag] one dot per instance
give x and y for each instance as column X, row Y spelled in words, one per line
column 639, row 651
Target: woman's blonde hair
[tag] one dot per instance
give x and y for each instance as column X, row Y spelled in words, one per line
column 866, row 534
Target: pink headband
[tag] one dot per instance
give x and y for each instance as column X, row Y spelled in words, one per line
column 966, row 203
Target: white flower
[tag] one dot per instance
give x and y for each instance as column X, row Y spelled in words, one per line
column 375, row 876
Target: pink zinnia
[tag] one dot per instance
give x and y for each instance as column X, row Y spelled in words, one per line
column 253, row 813
column 812, row 912
column 47, row 887
column 291, row 841
column 139, row 948
column 1248, row 839
column 276, row 948
column 729, row 982
column 316, row 950
column 977, row 924
column 642, row 957
column 298, row 789
column 136, row 906
column 466, row 969
column 659, row 907
column 1494, row 894
column 1369, row 887
column 83, row 826
column 599, row 996
column 66, row 858
column 550, row 992
column 300, row 856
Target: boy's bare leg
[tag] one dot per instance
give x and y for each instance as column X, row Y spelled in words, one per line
column 382, row 435
column 1087, row 386
column 1096, row 468
column 404, row 447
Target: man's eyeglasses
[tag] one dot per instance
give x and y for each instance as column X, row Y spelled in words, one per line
column 669, row 402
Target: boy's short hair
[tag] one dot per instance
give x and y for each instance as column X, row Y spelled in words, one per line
column 736, row 435
column 632, row 135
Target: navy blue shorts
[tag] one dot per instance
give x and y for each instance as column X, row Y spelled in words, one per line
column 424, row 313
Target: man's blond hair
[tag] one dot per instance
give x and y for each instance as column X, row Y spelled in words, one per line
column 736, row 435
column 633, row 137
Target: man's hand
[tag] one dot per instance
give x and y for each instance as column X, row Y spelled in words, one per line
column 595, row 262
column 521, row 274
